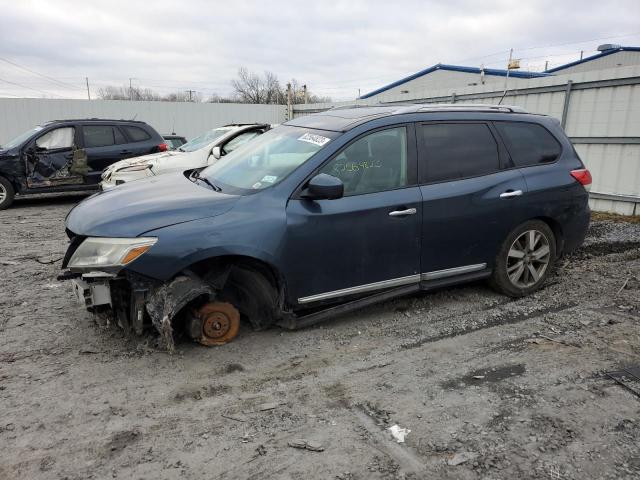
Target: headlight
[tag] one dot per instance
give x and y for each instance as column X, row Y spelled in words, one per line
column 109, row 252
column 135, row 168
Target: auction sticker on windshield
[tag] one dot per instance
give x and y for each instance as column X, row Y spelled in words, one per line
column 315, row 139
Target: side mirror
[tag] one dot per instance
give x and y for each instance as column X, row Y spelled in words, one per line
column 324, row 187
column 216, row 152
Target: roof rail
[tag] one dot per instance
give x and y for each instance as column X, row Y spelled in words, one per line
column 474, row 107
column 354, row 105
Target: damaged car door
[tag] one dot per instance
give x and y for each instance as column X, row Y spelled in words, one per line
column 53, row 159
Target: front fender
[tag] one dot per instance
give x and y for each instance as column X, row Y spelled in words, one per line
column 231, row 234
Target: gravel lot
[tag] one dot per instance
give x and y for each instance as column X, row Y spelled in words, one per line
column 489, row 387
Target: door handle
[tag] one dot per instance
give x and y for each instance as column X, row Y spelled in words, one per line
column 511, row 193
column 403, row 213
column 125, row 151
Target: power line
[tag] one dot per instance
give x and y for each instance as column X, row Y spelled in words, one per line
column 29, row 88
column 26, row 69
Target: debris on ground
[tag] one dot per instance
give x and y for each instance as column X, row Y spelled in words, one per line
column 628, row 377
column 460, row 458
column 398, row 433
column 306, row 445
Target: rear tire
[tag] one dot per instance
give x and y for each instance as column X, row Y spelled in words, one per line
column 7, row 193
column 525, row 260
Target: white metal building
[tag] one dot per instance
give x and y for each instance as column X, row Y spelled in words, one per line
column 453, row 76
column 610, row 56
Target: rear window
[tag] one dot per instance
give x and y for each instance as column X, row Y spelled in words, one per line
column 528, row 143
column 457, row 150
column 102, row 136
column 137, row 134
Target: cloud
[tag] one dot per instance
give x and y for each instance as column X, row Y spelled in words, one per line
column 336, row 47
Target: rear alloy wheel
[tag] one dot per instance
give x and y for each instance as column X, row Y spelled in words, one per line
column 6, row 193
column 525, row 259
column 528, row 259
column 220, row 323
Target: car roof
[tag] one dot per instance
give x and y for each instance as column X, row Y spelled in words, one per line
column 342, row 119
column 94, row 120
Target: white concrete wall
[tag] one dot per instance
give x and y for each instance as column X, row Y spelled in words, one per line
column 189, row 119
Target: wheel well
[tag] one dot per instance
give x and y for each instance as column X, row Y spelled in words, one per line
column 204, row 267
column 252, row 285
column 556, row 228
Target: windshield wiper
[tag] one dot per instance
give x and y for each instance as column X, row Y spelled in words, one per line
column 197, row 176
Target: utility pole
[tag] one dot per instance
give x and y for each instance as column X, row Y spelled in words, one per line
column 306, row 94
column 88, row 91
column 581, row 54
column 130, row 90
column 546, row 65
column 289, row 107
column 506, row 78
column 190, row 92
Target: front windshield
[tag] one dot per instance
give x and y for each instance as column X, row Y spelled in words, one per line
column 204, row 139
column 268, row 159
column 21, row 138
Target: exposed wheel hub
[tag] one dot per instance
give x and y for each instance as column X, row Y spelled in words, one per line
column 220, row 323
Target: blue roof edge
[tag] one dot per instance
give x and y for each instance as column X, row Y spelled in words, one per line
column 456, row 68
column 593, row 57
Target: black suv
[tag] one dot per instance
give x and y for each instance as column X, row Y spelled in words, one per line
column 70, row 155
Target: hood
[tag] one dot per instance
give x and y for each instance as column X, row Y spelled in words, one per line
column 137, row 207
column 137, row 160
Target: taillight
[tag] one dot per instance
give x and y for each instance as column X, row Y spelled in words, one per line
column 583, row 176
column 163, row 147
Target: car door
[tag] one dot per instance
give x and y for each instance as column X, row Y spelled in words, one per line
column 49, row 157
column 369, row 239
column 105, row 144
column 471, row 197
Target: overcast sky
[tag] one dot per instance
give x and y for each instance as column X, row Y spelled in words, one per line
column 336, row 47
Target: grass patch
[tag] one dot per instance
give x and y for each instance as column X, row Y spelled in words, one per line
column 614, row 217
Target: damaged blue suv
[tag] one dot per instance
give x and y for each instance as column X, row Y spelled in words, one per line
column 330, row 212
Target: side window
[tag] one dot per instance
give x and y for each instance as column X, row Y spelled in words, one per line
column 98, row 136
column 137, row 134
column 118, row 136
column 528, row 143
column 234, row 143
column 457, row 150
column 374, row 163
column 55, row 139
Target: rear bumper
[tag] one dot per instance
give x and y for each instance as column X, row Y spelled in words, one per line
column 575, row 230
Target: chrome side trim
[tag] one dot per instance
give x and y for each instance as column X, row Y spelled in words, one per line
column 395, row 282
column 450, row 272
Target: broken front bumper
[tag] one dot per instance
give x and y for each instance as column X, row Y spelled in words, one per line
column 122, row 297
column 134, row 301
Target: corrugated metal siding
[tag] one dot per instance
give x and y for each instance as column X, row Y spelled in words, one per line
column 597, row 114
column 189, row 119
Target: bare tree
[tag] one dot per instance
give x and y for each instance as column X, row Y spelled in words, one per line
column 146, row 94
column 250, row 87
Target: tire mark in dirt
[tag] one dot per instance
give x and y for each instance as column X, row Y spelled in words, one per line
column 492, row 323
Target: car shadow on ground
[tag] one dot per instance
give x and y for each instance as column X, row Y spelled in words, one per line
column 50, row 199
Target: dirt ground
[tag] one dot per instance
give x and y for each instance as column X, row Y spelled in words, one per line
column 489, row 387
